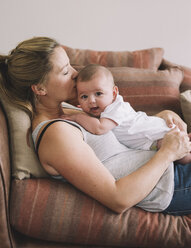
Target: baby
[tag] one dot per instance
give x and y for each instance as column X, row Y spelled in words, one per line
column 105, row 110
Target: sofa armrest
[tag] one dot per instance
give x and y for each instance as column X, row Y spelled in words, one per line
column 5, row 234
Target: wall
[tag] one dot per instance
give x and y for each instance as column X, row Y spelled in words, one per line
column 101, row 24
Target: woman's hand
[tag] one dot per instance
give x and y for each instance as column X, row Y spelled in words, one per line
column 172, row 119
column 176, row 144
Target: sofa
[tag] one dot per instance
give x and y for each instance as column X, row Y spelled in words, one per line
column 37, row 211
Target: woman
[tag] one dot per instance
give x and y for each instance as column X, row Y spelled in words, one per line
column 37, row 76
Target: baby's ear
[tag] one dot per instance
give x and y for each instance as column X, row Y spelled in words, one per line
column 115, row 91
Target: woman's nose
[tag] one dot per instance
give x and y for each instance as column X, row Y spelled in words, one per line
column 74, row 73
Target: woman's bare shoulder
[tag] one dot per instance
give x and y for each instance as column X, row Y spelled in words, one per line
column 57, row 142
column 60, row 130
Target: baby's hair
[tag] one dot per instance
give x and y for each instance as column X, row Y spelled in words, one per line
column 89, row 71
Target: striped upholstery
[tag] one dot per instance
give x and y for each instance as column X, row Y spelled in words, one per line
column 147, row 59
column 41, row 208
column 149, row 91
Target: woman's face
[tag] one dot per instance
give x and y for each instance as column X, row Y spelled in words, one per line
column 61, row 84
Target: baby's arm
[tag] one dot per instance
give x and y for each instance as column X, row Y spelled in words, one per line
column 92, row 124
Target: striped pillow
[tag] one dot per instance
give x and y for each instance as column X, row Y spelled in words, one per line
column 55, row 211
column 147, row 58
column 150, row 91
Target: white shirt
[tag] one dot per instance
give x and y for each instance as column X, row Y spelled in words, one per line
column 134, row 129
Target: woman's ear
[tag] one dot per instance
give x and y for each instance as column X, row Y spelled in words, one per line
column 115, row 92
column 38, row 89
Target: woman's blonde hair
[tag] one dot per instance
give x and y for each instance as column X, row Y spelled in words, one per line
column 27, row 64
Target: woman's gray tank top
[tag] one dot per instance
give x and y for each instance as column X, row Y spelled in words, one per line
column 121, row 161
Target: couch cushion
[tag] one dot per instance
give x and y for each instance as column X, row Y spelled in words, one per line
column 147, row 58
column 185, row 100
column 53, row 210
column 150, row 91
column 24, row 160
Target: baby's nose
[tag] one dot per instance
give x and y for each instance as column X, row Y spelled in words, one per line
column 91, row 99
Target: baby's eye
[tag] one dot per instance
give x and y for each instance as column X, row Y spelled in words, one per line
column 99, row 93
column 84, row 97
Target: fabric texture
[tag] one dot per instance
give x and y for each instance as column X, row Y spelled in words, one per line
column 185, row 100
column 147, row 58
column 181, row 201
column 149, row 91
column 47, row 204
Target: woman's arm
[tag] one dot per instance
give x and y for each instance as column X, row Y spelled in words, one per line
column 172, row 118
column 76, row 161
column 92, row 124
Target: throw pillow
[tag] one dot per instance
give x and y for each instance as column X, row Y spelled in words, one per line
column 150, row 91
column 24, row 160
column 185, row 100
column 147, row 58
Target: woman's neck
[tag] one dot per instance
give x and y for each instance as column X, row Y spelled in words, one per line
column 48, row 112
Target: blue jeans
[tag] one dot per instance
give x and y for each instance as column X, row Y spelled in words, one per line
column 181, row 201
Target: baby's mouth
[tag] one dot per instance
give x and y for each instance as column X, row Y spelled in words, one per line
column 94, row 109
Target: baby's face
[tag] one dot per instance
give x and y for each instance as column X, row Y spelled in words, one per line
column 96, row 94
